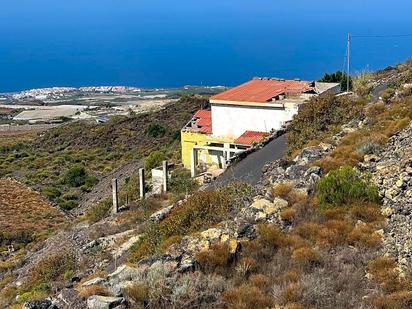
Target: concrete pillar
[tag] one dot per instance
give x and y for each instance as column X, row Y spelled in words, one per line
column 165, row 175
column 193, row 157
column 115, row 208
column 142, row 183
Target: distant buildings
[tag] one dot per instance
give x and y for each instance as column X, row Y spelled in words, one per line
column 242, row 116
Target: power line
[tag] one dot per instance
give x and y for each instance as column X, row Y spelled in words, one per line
column 382, row 36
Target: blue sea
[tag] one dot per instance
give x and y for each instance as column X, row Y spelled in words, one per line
column 164, row 43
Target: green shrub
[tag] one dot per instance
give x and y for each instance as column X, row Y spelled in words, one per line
column 53, row 267
column 68, row 201
column 344, row 186
column 338, row 77
column 100, row 211
column 200, row 212
column 76, row 176
column 320, row 118
column 154, row 159
column 181, row 182
column 52, row 193
column 155, row 130
column 68, row 205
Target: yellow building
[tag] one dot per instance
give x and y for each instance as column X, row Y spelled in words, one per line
column 200, row 149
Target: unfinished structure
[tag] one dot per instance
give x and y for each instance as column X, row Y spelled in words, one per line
column 243, row 116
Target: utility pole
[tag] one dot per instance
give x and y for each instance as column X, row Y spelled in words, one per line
column 348, row 72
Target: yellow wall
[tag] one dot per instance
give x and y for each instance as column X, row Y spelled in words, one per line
column 190, row 139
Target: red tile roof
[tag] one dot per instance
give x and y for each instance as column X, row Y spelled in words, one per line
column 250, row 137
column 203, row 113
column 203, row 121
column 263, row 90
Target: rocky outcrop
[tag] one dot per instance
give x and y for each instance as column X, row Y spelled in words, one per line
column 104, row 302
column 391, row 170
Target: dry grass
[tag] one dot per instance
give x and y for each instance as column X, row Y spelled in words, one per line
column 306, row 256
column 25, row 217
column 282, row 190
column 245, row 297
column 94, row 290
column 216, row 259
column 138, row 292
column 288, row 214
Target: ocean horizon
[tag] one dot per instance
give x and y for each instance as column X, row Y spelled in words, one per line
column 163, row 44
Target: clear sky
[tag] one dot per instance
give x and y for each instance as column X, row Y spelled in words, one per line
column 163, row 43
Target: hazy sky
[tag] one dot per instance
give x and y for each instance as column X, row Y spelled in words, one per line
column 171, row 43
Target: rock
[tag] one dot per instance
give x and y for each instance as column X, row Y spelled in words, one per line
column 124, row 273
column 161, row 214
column 387, row 211
column 70, row 298
column 212, row 234
column 280, row 203
column 246, row 230
column 39, row 304
column 104, row 302
column 313, row 170
column 186, row 264
column 195, row 244
column 125, row 246
column 391, row 193
column 93, row 281
column 233, row 246
column 400, row 183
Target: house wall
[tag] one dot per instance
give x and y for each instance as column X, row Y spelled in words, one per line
column 233, row 120
column 190, row 139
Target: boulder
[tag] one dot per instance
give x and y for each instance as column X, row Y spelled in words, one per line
column 104, row 302
column 161, row 214
column 123, row 248
column 280, row 203
column 264, row 206
column 212, row 234
column 124, row 273
column 39, row 304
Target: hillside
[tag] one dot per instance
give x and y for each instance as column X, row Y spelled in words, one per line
column 326, row 227
column 48, row 162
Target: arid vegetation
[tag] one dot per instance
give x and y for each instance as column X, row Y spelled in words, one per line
column 67, row 161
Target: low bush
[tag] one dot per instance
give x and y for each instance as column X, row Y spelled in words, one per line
column 78, row 176
column 138, row 292
column 362, row 83
column 216, row 259
column 271, row 236
column 245, row 297
column 260, row 281
column 155, row 130
column 343, row 187
column 366, row 212
column 288, row 214
column 364, row 235
column 319, row 118
column 306, row 257
column 99, row 211
column 154, row 160
column 282, row 190
column 199, row 212
column 384, row 272
column 51, row 193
